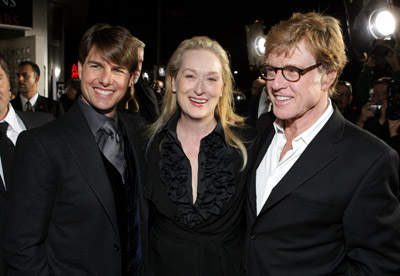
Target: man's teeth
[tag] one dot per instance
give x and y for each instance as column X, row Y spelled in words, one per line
column 103, row 92
column 198, row 101
column 281, row 98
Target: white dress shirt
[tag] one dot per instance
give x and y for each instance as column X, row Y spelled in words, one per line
column 271, row 170
column 15, row 127
column 31, row 100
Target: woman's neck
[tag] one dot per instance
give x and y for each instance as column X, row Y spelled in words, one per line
column 195, row 129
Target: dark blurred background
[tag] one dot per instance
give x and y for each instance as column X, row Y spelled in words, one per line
column 162, row 25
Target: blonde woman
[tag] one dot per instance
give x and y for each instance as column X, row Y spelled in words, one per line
column 197, row 162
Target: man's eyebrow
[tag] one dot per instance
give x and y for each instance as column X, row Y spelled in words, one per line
column 94, row 62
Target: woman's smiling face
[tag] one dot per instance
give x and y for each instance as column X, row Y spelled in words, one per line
column 198, row 85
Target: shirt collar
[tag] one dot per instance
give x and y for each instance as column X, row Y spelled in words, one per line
column 31, row 100
column 95, row 119
column 11, row 119
column 312, row 131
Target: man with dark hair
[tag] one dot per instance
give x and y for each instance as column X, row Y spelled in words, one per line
column 343, row 98
column 380, row 115
column 28, row 98
column 84, row 214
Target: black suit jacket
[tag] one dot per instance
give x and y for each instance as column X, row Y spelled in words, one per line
column 334, row 213
column 148, row 104
column 43, row 104
column 30, row 120
column 250, row 109
column 62, row 220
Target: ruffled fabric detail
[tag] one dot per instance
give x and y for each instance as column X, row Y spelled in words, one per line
column 216, row 184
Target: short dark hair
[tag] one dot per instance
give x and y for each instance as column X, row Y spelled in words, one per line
column 383, row 80
column 347, row 84
column 34, row 66
column 75, row 84
column 114, row 42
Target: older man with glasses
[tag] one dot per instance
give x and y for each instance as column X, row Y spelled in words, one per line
column 322, row 193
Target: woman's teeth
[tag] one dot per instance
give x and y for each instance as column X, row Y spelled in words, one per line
column 198, row 101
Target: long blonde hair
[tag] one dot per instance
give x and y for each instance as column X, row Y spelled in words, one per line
column 224, row 108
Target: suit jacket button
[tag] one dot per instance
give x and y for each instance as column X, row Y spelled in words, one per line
column 176, row 218
column 253, row 236
column 116, row 247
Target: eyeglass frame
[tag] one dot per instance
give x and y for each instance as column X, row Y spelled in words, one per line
column 301, row 72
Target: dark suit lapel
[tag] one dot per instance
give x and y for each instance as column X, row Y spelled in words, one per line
column 318, row 154
column 265, row 133
column 16, row 102
column 26, row 119
column 31, row 119
column 2, row 189
column 40, row 104
column 81, row 143
column 134, row 136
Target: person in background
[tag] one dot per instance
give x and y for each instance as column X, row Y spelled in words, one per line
column 373, row 113
column 381, row 117
column 257, row 104
column 257, row 86
column 28, row 98
column 12, row 123
column 159, row 90
column 382, row 61
column 197, row 162
column 78, row 208
column 72, row 93
column 343, row 98
column 322, row 192
column 141, row 98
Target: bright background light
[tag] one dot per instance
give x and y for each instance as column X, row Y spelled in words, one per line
column 57, row 72
column 382, row 23
column 385, row 23
column 260, row 45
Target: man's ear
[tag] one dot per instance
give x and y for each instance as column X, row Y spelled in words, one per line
column 328, row 79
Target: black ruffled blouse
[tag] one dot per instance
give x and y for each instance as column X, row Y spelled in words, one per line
column 216, row 176
column 204, row 238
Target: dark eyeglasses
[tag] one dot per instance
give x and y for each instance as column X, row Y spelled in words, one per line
column 291, row 73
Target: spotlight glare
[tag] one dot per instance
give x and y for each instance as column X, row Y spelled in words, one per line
column 385, row 23
column 260, row 45
column 382, row 23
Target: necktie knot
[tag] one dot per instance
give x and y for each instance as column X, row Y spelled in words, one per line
column 111, row 128
column 29, row 106
column 110, row 143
